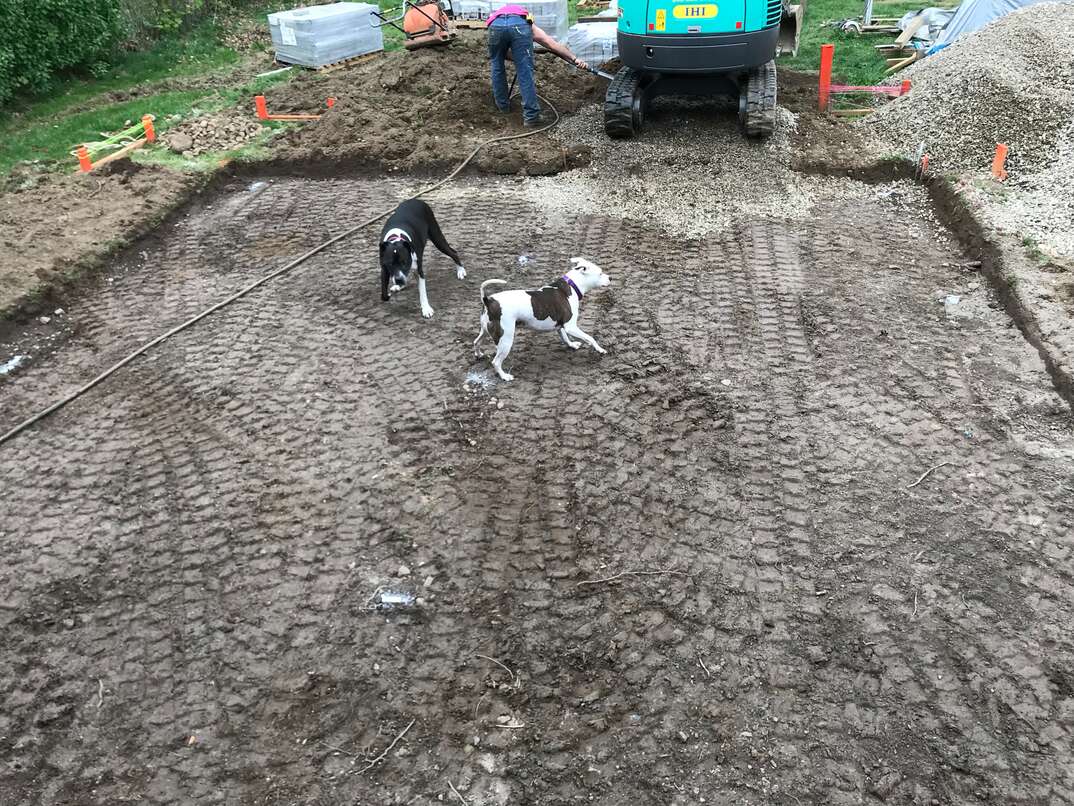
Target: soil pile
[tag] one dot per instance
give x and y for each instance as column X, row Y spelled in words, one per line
column 427, row 109
column 214, row 133
column 1011, row 82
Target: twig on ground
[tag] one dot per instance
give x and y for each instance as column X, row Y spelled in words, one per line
column 926, row 474
column 100, row 693
column 480, row 700
column 614, row 577
column 387, row 750
column 462, row 800
column 514, row 677
column 915, row 604
column 703, row 666
column 100, row 185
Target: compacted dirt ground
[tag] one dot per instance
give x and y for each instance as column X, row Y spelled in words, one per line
column 704, row 568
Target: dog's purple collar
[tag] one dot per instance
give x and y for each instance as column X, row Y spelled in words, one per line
column 570, row 282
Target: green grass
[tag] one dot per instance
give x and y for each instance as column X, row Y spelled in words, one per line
column 52, row 139
column 856, row 60
column 198, row 52
column 46, row 129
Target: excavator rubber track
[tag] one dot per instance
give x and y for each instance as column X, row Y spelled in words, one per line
column 622, row 105
column 757, row 104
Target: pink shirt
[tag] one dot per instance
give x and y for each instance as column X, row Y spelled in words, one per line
column 504, row 11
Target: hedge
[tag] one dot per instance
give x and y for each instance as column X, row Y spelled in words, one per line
column 43, row 37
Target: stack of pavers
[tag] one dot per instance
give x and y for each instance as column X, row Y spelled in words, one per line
column 551, row 16
column 473, row 9
column 596, row 43
column 320, row 35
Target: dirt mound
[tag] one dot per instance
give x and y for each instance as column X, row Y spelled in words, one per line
column 426, row 109
column 1010, row 82
column 224, row 132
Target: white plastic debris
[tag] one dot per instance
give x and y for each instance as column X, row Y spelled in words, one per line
column 13, row 364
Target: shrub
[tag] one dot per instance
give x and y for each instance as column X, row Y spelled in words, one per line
column 44, row 37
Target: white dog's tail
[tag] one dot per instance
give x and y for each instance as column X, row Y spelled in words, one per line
column 485, row 296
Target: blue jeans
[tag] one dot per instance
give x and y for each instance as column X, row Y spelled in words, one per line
column 513, row 33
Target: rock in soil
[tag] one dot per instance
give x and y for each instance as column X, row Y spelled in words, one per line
column 179, row 142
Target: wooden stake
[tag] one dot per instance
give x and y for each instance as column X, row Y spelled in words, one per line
column 910, row 30
column 904, row 63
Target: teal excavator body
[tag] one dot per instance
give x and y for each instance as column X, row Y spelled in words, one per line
column 700, row 47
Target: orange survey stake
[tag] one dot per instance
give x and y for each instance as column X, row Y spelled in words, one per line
column 999, row 162
column 85, row 164
column 150, row 132
column 826, row 54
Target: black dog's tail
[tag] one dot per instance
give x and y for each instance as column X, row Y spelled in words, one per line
column 484, row 296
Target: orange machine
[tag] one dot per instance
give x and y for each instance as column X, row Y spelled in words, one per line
column 424, row 24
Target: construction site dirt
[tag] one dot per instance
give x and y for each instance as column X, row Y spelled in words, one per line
column 422, row 110
column 802, row 536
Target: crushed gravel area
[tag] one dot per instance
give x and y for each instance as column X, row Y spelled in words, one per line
column 1039, row 206
column 1010, row 82
column 708, row 175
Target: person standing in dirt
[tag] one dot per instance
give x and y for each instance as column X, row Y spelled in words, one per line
column 512, row 32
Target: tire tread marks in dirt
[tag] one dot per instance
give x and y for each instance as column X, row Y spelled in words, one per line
column 206, row 533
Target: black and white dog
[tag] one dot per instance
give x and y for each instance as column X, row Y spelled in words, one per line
column 402, row 244
column 553, row 307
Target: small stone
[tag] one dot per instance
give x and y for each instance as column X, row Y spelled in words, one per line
column 58, row 312
column 44, row 319
column 886, row 785
column 179, row 142
column 404, row 571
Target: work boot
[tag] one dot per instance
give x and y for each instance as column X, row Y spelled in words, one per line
column 535, row 123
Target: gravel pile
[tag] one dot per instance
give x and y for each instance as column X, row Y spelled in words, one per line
column 691, row 172
column 212, row 134
column 1039, row 207
column 1010, row 82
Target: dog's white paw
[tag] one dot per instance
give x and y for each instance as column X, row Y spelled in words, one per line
column 394, row 288
column 427, row 312
column 461, row 273
column 507, row 376
column 599, row 349
column 574, row 345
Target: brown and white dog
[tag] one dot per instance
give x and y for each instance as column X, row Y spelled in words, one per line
column 553, row 307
